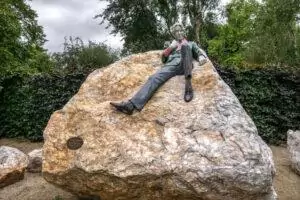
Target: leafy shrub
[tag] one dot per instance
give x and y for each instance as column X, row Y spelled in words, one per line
column 26, row 104
column 269, row 97
column 80, row 57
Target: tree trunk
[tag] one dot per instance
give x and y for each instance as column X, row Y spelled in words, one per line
column 197, row 30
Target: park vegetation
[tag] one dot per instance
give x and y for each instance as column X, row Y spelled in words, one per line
column 255, row 46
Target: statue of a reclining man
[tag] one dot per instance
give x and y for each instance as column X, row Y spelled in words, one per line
column 177, row 59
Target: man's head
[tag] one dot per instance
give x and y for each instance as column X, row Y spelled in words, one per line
column 177, row 31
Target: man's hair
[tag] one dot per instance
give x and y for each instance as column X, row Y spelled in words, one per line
column 172, row 29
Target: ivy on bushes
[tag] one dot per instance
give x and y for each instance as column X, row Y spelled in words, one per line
column 27, row 103
column 270, row 98
column 27, row 100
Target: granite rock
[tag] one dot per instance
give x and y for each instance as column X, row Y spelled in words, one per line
column 293, row 142
column 208, row 148
column 12, row 165
column 35, row 161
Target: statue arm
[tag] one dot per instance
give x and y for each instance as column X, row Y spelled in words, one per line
column 166, row 54
column 199, row 54
column 169, row 47
column 164, row 59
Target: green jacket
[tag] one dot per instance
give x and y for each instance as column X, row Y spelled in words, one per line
column 175, row 57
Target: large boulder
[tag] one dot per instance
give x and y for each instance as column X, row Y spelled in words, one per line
column 12, row 165
column 293, row 142
column 205, row 149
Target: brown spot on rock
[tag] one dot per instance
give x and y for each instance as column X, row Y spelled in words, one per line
column 74, row 143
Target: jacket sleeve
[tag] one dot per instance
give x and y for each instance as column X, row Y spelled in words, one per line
column 197, row 52
column 164, row 59
column 165, row 54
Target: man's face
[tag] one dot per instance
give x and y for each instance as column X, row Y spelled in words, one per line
column 178, row 33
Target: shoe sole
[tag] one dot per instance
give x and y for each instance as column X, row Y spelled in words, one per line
column 121, row 110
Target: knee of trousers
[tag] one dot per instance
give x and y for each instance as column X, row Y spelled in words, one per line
column 160, row 78
column 155, row 78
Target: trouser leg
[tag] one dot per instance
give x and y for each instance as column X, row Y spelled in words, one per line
column 187, row 61
column 187, row 67
column 153, row 83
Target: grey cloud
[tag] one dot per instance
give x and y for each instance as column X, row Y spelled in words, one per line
column 62, row 18
column 70, row 4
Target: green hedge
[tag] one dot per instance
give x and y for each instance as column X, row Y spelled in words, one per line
column 270, row 97
column 26, row 104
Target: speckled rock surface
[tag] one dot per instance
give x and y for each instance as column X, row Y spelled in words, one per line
column 12, row 165
column 35, row 161
column 293, row 141
column 205, row 149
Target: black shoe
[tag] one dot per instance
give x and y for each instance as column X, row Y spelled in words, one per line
column 124, row 107
column 188, row 94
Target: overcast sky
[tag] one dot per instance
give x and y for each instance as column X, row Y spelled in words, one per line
column 62, row 18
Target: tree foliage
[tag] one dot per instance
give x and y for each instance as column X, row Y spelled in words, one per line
column 166, row 11
column 136, row 23
column 145, row 24
column 274, row 39
column 233, row 37
column 258, row 34
column 80, row 57
column 21, row 40
column 195, row 12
